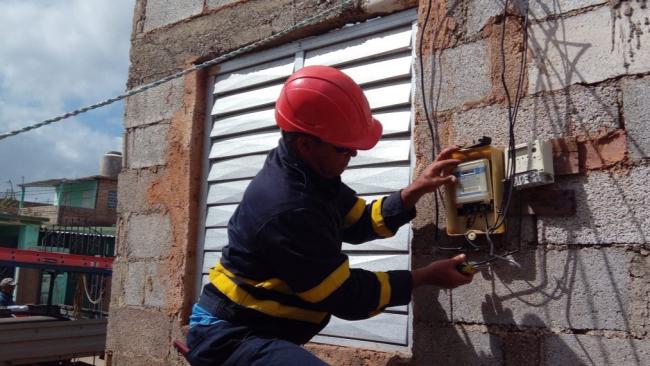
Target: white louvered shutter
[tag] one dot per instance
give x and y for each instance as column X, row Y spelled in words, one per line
column 378, row 56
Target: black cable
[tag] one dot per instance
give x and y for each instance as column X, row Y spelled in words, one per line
column 428, row 116
column 512, row 115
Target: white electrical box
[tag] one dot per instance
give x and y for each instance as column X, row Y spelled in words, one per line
column 473, row 182
column 533, row 164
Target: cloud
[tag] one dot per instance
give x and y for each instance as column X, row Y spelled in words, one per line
column 58, row 56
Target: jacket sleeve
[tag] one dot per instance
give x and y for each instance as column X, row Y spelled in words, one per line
column 303, row 249
column 363, row 221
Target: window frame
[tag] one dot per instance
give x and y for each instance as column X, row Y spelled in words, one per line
column 297, row 50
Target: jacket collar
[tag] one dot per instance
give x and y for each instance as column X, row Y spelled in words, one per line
column 289, row 159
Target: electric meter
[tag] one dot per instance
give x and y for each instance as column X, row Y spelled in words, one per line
column 473, row 182
column 473, row 203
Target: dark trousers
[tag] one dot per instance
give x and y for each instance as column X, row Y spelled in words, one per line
column 233, row 345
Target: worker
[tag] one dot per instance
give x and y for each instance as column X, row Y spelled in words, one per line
column 7, row 286
column 282, row 274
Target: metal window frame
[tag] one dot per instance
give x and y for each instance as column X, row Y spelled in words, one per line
column 298, row 49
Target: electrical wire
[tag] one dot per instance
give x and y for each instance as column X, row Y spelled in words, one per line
column 430, row 124
column 512, row 114
column 513, row 110
column 303, row 23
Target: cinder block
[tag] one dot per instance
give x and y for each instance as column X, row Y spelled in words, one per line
column 119, row 359
column 140, row 332
column 570, row 349
column 134, row 283
column 148, row 236
column 155, row 284
column 212, row 4
column 480, row 11
column 636, row 113
column 461, row 75
column 584, row 288
column 132, row 190
column 589, row 47
column 118, row 277
column 521, row 348
column 144, row 285
column 577, row 111
column 154, row 105
column 461, row 345
column 611, row 208
column 162, row 12
column 146, row 146
column 640, row 272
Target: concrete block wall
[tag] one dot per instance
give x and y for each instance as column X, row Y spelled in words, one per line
column 582, row 293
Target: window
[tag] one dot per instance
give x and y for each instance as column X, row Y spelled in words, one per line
column 112, row 199
column 377, row 55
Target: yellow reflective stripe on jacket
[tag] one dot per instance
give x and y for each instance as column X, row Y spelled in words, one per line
column 355, row 213
column 269, row 307
column 274, row 284
column 385, row 290
column 377, row 219
column 328, row 285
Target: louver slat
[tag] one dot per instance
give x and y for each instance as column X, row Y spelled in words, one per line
column 237, row 168
column 249, row 144
column 376, row 180
column 246, row 100
column 363, row 181
column 219, row 215
column 385, row 327
column 382, row 70
column 394, row 122
column 210, row 259
column 215, row 239
column 277, row 70
column 389, row 96
column 361, row 48
column 387, row 151
column 395, row 151
column 243, row 123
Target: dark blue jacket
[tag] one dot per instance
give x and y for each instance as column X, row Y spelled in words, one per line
column 283, row 272
column 6, row 300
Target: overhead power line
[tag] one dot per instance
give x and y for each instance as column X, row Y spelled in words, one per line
column 305, row 22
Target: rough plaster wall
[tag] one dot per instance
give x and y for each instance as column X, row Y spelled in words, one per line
column 158, row 207
column 581, row 296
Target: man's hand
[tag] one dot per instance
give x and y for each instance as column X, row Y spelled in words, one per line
column 435, row 175
column 442, row 273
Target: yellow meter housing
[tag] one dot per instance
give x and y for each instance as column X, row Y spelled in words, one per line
column 473, row 203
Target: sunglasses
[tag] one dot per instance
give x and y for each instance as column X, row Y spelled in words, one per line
column 343, row 150
column 338, row 149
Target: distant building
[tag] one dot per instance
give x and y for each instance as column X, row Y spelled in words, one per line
column 87, row 201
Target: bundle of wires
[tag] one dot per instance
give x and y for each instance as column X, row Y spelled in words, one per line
column 513, row 109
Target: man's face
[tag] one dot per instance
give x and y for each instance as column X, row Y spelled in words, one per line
column 328, row 160
column 7, row 289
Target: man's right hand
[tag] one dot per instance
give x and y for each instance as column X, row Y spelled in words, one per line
column 442, row 273
column 432, row 177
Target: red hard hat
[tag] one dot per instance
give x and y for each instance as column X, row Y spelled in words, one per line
column 324, row 102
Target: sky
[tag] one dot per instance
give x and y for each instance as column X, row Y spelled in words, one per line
column 57, row 56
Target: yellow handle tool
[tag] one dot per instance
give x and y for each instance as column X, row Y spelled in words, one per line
column 466, row 268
